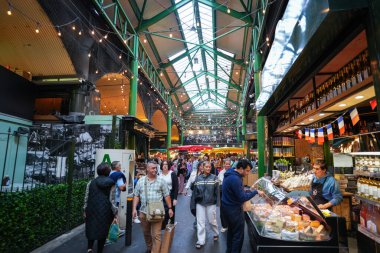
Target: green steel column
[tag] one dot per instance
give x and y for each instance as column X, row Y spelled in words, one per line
column 182, row 136
column 238, row 133
column 260, row 121
column 243, row 127
column 169, row 136
column 135, row 75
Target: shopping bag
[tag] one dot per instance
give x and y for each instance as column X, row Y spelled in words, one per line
column 168, row 237
column 113, row 233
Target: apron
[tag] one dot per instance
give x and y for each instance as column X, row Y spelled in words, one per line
column 316, row 191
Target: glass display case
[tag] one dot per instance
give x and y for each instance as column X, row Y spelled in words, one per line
column 291, row 220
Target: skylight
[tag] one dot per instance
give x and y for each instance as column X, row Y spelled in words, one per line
column 203, row 90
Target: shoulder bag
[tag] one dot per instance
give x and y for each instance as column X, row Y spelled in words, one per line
column 155, row 209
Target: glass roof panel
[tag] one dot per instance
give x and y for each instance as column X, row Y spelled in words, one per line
column 186, row 70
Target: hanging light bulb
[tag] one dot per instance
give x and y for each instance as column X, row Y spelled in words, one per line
column 93, row 32
column 106, row 36
column 96, row 71
column 120, row 56
column 80, row 32
column 171, row 35
column 59, row 33
column 9, row 12
column 228, row 10
column 89, row 55
column 37, row 28
column 73, row 27
column 100, row 40
column 144, row 40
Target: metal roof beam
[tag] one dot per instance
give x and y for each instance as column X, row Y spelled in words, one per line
column 179, row 57
column 232, row 85
column 148, row 22
column 243, row 16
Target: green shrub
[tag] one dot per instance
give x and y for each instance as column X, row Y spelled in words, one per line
column 31, row 218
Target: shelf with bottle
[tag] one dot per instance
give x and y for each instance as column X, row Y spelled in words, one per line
column 283, row 152
column 369, row 189
column 283, row 141
column 367, row 165
column 349, row 79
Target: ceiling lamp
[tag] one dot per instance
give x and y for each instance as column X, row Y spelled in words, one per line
column 9, row 12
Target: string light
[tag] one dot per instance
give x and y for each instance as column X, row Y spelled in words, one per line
column 80, row 32
column 120, row 56
column 144, row 40
column 73, row 27
column 171, row 35
column 93, row 32
column 100, row 40
column 106, row 36
column 267, row 39
column 37, row 28
column 97, row 71
column 59, row 33
column 228, row 10
column 9, row 12
column 89, row 55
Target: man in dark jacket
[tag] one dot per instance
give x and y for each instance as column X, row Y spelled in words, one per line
column 233, row 197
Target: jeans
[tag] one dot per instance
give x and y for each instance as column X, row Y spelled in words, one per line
column 235, row 223
column 206, row 213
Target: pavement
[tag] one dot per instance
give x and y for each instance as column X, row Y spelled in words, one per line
column 184, row 240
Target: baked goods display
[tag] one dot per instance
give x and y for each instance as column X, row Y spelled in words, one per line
column 298, row 182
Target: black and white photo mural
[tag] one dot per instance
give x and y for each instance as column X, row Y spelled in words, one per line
column 49, row 148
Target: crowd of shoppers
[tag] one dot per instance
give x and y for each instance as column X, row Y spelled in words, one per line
column 212, row 183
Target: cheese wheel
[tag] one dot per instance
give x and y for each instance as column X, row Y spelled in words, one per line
column 315, row 223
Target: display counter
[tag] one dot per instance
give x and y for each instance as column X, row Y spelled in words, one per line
column 279, row 220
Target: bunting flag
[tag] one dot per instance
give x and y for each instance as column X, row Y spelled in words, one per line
column 373, row 103
column 299, row 133
column 330, row 134
column 354, row 116
column 306, row 134
column 321, row 136
column 341, row 125
column 312, row 136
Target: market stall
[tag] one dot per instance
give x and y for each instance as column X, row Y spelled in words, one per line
column 292, row 222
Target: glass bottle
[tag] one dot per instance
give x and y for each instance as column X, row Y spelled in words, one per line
column 363, row 215
column 342, row 81
column 359, row 72
column 353, row 74
column 359, row 186
column 347, row 77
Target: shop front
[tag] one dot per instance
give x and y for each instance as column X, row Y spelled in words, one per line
column 319, row 95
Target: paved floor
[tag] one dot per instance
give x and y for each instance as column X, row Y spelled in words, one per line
column 184, row 238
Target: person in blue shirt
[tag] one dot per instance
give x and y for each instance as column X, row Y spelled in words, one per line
column 324, row 188
column 233, row 197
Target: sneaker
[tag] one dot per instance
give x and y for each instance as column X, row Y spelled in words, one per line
column 223, row 230
column 121, row 232
column 136, row 220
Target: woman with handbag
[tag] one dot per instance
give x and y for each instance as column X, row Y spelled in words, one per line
column 150, row 190
column 205, row 194
column 99, row 211
column 171, row 179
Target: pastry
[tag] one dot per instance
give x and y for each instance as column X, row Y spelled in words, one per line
column 315, row 223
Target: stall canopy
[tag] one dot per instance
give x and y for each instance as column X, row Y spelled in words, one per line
column 191, row 148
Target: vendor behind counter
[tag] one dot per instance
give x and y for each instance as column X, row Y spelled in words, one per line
column 324, row 188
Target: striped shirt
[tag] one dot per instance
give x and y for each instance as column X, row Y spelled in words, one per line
column 156, row 188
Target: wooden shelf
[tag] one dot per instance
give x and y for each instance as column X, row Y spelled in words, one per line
column 282, row 146
column 283, row 156
column 370, row 235
column 372, row 202
column 325, row 106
